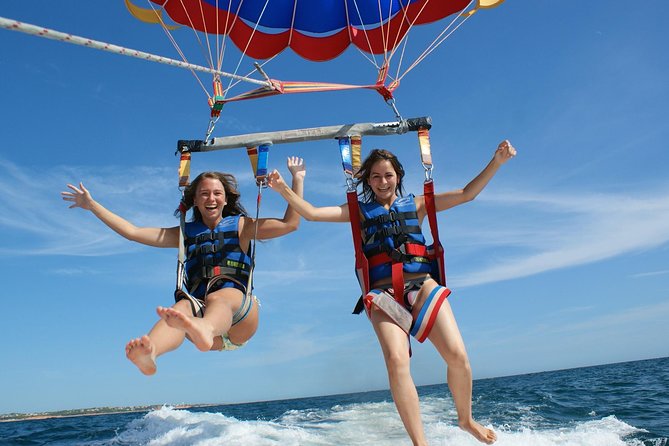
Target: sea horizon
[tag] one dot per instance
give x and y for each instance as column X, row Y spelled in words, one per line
column 110, row 410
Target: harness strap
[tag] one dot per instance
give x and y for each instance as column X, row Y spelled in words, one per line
column 398, row 279
column 349, row 148
column 392, row 216
column 184, row 180
column 408, row 251
column 430, row 209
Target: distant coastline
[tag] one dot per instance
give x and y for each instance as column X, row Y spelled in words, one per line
column 10, row 417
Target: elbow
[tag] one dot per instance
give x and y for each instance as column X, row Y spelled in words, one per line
column 292, row 225
column 468, row 194
column 466, row 198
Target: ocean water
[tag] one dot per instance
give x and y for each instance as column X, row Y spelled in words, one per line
column 609, row 405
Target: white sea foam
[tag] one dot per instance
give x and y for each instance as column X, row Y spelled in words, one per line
column 355, row 424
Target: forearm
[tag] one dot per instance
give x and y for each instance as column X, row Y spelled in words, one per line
column 475, row 186
column 296, row 202
column 159, row 237
column 291, row 216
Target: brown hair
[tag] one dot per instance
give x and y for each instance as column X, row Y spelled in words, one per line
column 233, row 206
column 363, row 174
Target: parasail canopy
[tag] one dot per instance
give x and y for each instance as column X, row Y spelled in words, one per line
column 317, row 30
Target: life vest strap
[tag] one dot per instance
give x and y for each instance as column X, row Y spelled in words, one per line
column 388, row 231
column 209, row 272
column 211, row 237
column 213, row 249
column 406, row 252
column 392, row 216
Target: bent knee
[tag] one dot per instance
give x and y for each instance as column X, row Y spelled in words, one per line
column 397, row 362
column 458, row 359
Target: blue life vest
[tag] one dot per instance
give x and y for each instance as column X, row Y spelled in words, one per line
column 211, row 253
column 393, row 235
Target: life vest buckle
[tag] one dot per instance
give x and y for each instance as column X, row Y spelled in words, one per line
column 391, row 230
column 396, row 255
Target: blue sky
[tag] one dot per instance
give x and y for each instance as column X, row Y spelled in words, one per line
column 561, row 262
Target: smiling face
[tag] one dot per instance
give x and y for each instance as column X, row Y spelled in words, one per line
column 383, row 181
column 210, row 200
column 381, row 177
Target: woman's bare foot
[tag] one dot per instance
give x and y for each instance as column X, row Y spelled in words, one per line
column 197, row 332
column 482, row 434
column 141, row 352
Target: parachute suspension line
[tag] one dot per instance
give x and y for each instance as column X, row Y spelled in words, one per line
column 439, row 39
column 218, row 48
column 350, row 36
column 223, row 35
column 206, row 33
column 197, row 36
column 403, row 42
column 371, row 58
column 176, row 46
column 385, row 31
column 228, row 27
column 255, row 28
column 214, row 100
column 257, row 65
column 258, row 156
column 223, row 41
column 388, row 54
column 292, row 23
column 380, row 86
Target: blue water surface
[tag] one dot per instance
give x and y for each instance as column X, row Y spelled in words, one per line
column 616, row 404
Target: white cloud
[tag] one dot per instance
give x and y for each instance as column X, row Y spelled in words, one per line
column 540, row 232
column 570, row 230
column 42, row 224
column 651, row 273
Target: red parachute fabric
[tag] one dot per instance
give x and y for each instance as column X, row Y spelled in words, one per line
column 376, row 38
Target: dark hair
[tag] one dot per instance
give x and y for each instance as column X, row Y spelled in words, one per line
column 362, row 176
column 232, row 207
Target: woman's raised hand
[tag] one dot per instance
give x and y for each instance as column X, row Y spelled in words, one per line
column 80, row 197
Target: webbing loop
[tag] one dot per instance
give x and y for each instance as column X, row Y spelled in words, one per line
column 184, row 169
column 349, row 149
column 259, row 156
column 425, row 152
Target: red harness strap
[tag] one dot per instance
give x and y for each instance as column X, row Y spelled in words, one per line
column 411, row 249
column 438, row 251
column 361, row 263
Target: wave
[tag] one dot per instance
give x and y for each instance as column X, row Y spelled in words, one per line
column 359, row 424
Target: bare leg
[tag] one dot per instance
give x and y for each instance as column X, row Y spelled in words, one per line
column 396, row 354
column 217, row 319
column 445, row 336
column 140, row 352
column 161, row 339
